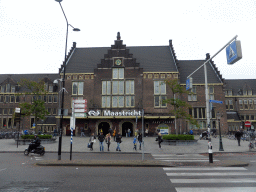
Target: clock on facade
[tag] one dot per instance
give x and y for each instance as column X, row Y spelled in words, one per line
column 118, row 62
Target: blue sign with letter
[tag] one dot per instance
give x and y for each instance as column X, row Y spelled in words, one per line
column 189, row 83
column 216, row 101
column 234, row 52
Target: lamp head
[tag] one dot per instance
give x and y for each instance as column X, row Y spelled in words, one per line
column 58, row 0
column 76, row 29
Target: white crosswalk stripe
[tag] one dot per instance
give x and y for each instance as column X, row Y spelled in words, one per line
column 38, row 158
column 181, row 158
column 224, row 179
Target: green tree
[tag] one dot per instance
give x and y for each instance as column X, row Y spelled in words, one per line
column 36, row 106
column 180, row 107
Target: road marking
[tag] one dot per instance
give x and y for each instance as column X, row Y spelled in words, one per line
column 212, row 174
column 253, row 161
column 3, row 169
column 247, row 180
column 203, row 168
column 38, row 158
column 166, row 155
column 215, row 189
column 180, row 160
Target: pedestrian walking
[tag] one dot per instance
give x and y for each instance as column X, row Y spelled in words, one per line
column 238, row 136
column 82, row 132
column 126, row 132
column 55, row 132
column 118, row 141
column 114, row 135
column 159, row 139
column 129, row 132
column 140, row 139
column 92, row 140
column 101, row 140
column 135, row 143
column 108, row 140
column 146, row 132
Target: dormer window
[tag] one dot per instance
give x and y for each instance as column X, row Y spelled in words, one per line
column 245, row 92
column 249, row 92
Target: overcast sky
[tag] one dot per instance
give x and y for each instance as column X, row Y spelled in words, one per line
column 33, row 32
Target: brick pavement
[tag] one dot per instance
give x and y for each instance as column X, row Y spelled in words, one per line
column 150, row 146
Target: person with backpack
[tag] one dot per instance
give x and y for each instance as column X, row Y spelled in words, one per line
column 135, row 143
column 118, row 141
column 101, row 139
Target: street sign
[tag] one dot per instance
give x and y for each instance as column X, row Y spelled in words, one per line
column 247, row 124
column 234, row 52
column 80, row 106
column 189, row 83
column 80, row 115
column 80, row 101
column 216, row 101
column 72, row 123
column 80, row 110
column 17, row 110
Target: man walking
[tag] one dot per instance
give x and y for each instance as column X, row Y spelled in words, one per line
column 101, row 140
column 118, row 141
column 238, row 136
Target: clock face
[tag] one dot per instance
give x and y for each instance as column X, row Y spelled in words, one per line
column 118, row 62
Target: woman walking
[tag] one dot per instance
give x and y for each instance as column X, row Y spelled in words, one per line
column 159, row 139
column 108, row 140
column 92, row 140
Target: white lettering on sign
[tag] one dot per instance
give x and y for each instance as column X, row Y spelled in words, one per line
column 115, row 113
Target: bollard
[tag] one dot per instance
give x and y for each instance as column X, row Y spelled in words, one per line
column 210, row 150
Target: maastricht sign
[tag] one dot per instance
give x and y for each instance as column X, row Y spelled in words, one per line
column 114, row 113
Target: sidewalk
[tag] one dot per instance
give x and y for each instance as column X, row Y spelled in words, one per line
column 150, row 146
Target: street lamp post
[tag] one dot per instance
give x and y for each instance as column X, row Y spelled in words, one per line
column 219, row 115
column 63, row 82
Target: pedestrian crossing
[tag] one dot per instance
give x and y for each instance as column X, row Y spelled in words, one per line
column 181, row 158
column 211, row 179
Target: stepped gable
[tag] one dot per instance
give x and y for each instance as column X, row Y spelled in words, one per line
column 118, row 50
column 213, row 65
column 174, row 55
column 150, row 58
column 68, row 56
column 186, row 67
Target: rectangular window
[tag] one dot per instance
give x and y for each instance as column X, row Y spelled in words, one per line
column 106, row 87
column 130, row 101
column 49, row 98
column 49, row 111
column 231, row 107
column 117, row 101
column 250, row 104
column 12, row 99
column 8, row 88
column 211, row 92
column 1, row 98
column 10, row 111
column 7, row 98
column 13, row 89
column 159, row 101
column 229, row 92
column 203, row 112
column 200, row 113
column 241, row 104
column 118, row 73
column 9, row 123
column 1, row 111
column 192, row 96
column 247, row 117
column 226, row 102
column 54, row 111
column 77, row 88
column 249, row 92
column 106, row 101
column 244, row 92
column 245, row 104
column 159, row 87
column 17, row 99
column 190, row 111
column 5, row 112
column 195, row 112
column 45, row 98
column 252, row 117
column 55, row 98
column 50, row 88
column 129, row 85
